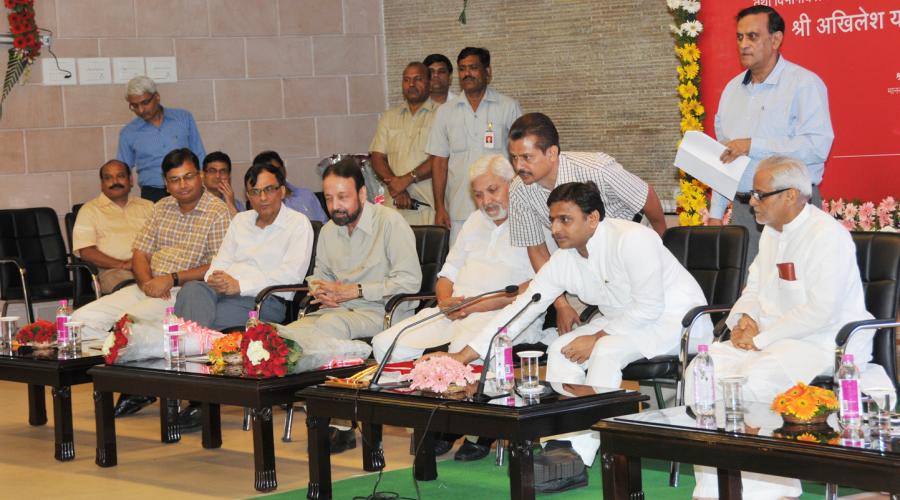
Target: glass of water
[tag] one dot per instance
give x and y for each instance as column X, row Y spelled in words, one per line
column 74, row 328
column 529, row 367
column 9, row 325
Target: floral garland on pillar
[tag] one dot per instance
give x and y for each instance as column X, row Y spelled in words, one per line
column 26, row 43
column 692, row 201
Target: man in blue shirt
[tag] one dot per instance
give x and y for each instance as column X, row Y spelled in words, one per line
column 298, row 198
column 156, row 131
column 773, row 108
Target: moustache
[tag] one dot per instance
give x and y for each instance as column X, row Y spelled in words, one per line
column 117, row 186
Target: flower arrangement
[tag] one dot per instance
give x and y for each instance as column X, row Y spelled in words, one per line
column 266, row 354
column 118, row 339
column 805, row 404
column 808, row 434
column 39, row 332
column 441, row 374
column 226, row 350
column 865, row 216
column 26, row 43
column 693, row 201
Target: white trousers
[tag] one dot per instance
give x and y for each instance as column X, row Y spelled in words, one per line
column 434, row 332
column 766, row 378
column 604, row 369
column 100, row 315
column 336, row 323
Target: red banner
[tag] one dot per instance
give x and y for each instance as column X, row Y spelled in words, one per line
column 854, row 46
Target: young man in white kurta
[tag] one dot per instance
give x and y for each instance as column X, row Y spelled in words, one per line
column 638, row 285
column 793, row 316
column 481, row 260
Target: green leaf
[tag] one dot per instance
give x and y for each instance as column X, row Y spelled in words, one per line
column 15, row 67
column 462, row 15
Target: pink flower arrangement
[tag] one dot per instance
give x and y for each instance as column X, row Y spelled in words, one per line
column 865, row 216
column 438, row 373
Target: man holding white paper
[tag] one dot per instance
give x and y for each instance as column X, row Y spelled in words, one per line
column 773, row 108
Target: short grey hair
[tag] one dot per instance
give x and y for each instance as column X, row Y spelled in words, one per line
column 140, row 85
column 496, row 164
column 788, row 172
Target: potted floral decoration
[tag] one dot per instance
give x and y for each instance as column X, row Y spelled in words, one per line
column 442, row 375
column 41, row 334
column 805, row 404
column 227, row 350
column 266, row 354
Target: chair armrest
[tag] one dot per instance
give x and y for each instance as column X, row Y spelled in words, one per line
column 269, row 290
column 687, row 325
column 76, row 263
column 20, row 266
column 694, row 314
column 391, row 305
column 848, row 330
column 14, row 260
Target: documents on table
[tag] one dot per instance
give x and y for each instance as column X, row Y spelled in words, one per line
column 699, row 156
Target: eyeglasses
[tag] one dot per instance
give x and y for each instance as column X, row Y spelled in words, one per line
column 134, row 106
column 256, row 192
column 217, row 171
column 186, row 178
column 759, row 196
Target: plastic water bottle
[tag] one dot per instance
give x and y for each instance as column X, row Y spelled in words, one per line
column 503, row 362
column 853, row 436
column 849, row 394
column 168, row 319
column 704, row 383
column 252, row 320
column 175, row 344
column 63, row 316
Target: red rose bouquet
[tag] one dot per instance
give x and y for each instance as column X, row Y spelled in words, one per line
column 39, row 332
column 118, row 339
column 266, row 354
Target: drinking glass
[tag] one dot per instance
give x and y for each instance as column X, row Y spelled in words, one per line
column 74, row 328
column 732, row 396
column 8, row 327
column 529, row 382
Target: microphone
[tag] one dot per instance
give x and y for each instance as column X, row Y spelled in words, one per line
column 479, row 392
column 511, row 289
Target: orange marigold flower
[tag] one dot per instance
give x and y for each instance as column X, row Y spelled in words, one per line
column 809, row 438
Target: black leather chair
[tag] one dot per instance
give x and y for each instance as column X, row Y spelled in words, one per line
column 432, row 245
column 294, row 306
column 87, row 282
column 716, row 256
column 34, row 264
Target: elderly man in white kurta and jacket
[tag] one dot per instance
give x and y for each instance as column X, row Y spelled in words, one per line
column 803, row 286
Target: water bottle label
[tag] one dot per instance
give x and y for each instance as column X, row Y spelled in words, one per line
column 853, row 443
column 173, row 345
column 62, row 332
column 507, row 363
column 851, row 406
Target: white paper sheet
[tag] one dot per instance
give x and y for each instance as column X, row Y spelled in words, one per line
column 699, row 155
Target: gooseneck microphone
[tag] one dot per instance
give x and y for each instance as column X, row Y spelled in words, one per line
column 511, row 289
column 479, row 392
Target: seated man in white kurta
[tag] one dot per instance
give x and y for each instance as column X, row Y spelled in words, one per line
column 481, row 260
column 641, row 290
column 803, row 286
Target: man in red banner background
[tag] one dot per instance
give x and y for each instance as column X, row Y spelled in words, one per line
column 847, row 45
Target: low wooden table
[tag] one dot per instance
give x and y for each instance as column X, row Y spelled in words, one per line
column 565, row 408
column 193, row 381
column 48, row 368
column 759, row 444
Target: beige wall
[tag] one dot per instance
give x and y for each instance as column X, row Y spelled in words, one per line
column 303, row 77
column 604, row 71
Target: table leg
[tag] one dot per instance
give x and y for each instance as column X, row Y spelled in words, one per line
column 621, row 476
column 373, row 451
column 263, row 449
column 106, row 429
column 319, row 451
column 425, row 466
column 168, row 421
column 212, row 425
column 521, row 470
column 37, row 407
column 62, row 423
column 729, row 484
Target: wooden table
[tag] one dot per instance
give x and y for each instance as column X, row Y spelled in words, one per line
column 672, row 434
column 193, row 381
column 60, row 373
column 522, row 422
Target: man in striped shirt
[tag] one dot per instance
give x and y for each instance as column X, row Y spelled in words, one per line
column 534, row 153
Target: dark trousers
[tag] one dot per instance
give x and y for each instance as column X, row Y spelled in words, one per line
column 153, row 194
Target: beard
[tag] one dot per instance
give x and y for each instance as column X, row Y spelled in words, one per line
column 500, row 212
column 342, row 217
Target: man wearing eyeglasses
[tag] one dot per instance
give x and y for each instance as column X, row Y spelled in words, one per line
column 148, row 138
column 268, row 245
column 217, row 180
column 775, row 107
column 802, row 287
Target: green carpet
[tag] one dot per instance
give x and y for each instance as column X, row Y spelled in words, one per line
column 482, row 480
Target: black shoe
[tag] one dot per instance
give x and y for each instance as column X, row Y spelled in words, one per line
column 131, row 404
column 341, row 441
column 441, row 446
column 189, row 419
column 470, row 451
column 558, row 468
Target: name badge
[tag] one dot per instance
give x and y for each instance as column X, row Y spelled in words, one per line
column 489, row 140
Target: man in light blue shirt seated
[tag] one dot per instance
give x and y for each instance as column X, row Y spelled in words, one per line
column 147, row 139
column 773, row 108
column 298, row 198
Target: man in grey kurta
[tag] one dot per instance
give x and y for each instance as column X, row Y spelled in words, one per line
column 365, row 254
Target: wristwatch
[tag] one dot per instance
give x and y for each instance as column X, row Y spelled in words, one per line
column 359, row 290
column 174, row 279
column 415, row 178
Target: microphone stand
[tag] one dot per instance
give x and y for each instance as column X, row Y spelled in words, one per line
column 387, row 355
column 479, row 392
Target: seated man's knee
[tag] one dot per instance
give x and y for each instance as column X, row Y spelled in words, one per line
column 332, row 325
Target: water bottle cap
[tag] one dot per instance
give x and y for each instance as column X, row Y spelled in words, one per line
column 702, row 348
column 64, row 302
column 253, row 314
column 170, row 310
column 847, row 358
